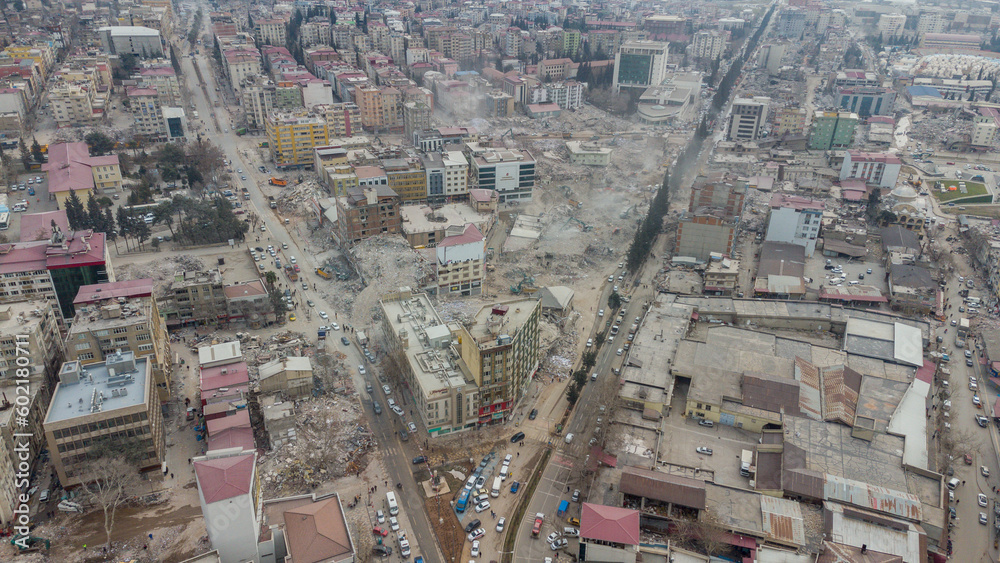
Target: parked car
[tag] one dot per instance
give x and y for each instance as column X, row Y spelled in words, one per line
column 533, row 414
column 476, row 534
column 472, row 525
column 501, row 523
column 703, row 450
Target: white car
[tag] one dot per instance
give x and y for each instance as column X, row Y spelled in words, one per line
column 590, row 342
column 335, row 326
column 387, row 390
column 985, row 471
column 393, row 523
column 485, row 505
column 552, row 537
column 500, row 523
column 380, row 517
column 982, row 499
column 600, row 313
column 323, row 315
column 412, row 427
column 475, row 549
column 559, row 544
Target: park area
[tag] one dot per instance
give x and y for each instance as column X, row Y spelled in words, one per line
column 952, row 190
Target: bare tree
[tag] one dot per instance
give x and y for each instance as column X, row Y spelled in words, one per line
column 109, row 479
column 711, row 535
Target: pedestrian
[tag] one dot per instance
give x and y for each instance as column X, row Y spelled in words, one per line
column 145, row 547
column 150, row 536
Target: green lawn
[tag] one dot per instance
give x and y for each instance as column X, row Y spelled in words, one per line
column 972, row 188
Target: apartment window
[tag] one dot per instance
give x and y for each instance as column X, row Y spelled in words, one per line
column 84, row 346
column 145, row 347
column 86, row 356
column 121, row 330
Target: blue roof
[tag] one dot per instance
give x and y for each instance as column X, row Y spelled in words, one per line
column 919, row 91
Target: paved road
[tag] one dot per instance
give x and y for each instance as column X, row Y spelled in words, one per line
column 561, row 473
column 972, row 541
column 395, row 458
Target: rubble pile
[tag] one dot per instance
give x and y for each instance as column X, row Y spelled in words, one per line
column 385, row 263
column 296, row 199
column 940, row 128
column 329, row 444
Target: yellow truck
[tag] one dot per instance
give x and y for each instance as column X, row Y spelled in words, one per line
column 323, row 273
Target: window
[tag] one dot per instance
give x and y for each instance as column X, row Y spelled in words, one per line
column 87, row 356
column 84, row 346
column 121, row 330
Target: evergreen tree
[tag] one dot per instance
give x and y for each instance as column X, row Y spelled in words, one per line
column 36, row 151
column 95, row 215
column 75, row 214
column 25, row 155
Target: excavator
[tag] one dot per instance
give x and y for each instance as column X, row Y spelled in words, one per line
column 28, row 544
column 525, row 285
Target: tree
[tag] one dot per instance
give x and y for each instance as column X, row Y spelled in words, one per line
column 25, row 155
column 75, row 213
column 36, row 151
column 110, row 477
column 95, row 215
column 614, row 301
column 270, row 278
column 99, row 143
column 572, row 394
column 589, row 359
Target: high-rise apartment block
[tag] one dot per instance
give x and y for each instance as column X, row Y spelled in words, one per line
column 747, row 118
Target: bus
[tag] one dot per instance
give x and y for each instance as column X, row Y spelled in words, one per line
column 4, row 220
column 463, row 501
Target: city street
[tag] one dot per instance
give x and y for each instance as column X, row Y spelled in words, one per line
column 394, row 455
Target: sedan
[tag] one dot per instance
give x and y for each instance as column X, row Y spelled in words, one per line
column 977, row 402
column 310, row 303
column 284, row 246
column 501, row 523
column 387, row 390
column 968, row 362
column 380, row 517
column 552, row 537
column 323, row 315
column 559, row 544
column 985, row 471
column 476, row 534
column 982, row 499
column 611, row 279
column 393, row 523
column 704, row 450
column 239, row 170
column 345, row 341
column 243, row 177
column 335, row 326
column 485, row 505
column 532, row 414
column 475, row 549
column 412, row 427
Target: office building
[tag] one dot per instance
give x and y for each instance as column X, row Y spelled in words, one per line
column 135, row 40
column 866, row 101
column 230, row 498
column 640, row 64
column 794, row 220
column 367, row 211
column 876, row 169
column 115, row 401
column 292, row 136
column 445, row 395
column 832, row 130
column 747, row 118
column 446, row 174
column 121, row 316
column 511, row 172
column 55, row 268
column 708, row 45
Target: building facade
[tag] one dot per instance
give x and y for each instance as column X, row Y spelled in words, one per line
column 877, row 169
column 708, row 45
column 114, row 401
column 367, row 211
column 640, row 64
column 833, row 130
column 116, row 316
column 501, row 352
column 292, row 136
column 795, row 220
column 511, row 172
column 747, row 118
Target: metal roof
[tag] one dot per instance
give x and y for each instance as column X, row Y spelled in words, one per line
column 654, row 485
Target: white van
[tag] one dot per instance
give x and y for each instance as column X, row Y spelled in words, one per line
column 495, row 491
column 390, row 498
column 504, row 472
column 569, row 438
column 954, row 482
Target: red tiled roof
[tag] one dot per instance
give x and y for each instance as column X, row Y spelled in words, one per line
column 69, row 167
column 609, row 523
column 224, row 478
column 133, row 91
column 239, row 437
column 84, row 248
column 317, row 532
column 213, row 378
column 113, row 290
column 482, row 195
column 795, row 202
column 858, row 156
column 470, row 234
column 38, row 226
column 239, row 420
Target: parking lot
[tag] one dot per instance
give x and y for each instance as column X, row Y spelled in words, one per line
column 34, row 196
column 852, row 271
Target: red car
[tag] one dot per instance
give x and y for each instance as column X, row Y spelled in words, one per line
column 380, row 532
column 968, row 459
